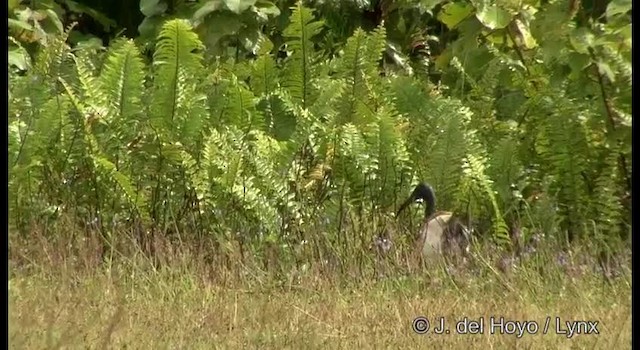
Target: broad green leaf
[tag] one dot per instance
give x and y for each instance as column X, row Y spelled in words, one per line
column 442, row 61
column 402, row 25
column 428, row 5
column 493, row 17
column 56, row 21
column 265, row 46
column 250, row 39
column 267, row 8
column 13, row 23
column 13, row 4
column 497, row 38
column 606, row 70
column 85, row 40
column 626, row 34
column 149, row 26
column 90, row 44
column 27, row 15
column 151, row 8
column 582, row 39
column 617, row 7
column 18, row 57
column 98, row 16
column 528, row 12
column 453, row 13
column 122, row 180
column 172, row 151
column 219, row 25
column 525, row 34
column 206, row 9
column 239, row 6
column 578, row 62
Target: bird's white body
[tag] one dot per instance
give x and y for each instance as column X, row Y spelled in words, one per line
column 434, row 234
column 441, row 233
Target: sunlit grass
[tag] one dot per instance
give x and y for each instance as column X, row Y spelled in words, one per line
column 128, row 304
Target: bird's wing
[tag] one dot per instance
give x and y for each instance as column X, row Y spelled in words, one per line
column 442, row 216
column 434, row 234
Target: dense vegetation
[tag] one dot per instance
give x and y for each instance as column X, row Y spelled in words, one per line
column 300, row 127
column 217, row 171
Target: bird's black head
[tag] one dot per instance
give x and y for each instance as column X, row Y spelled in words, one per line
column 425, row 192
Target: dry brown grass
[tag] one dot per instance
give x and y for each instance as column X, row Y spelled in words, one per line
column 57, row 304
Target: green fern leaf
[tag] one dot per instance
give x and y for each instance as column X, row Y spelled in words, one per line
column 178, row 71
column 299, row 67
column 124, row 183
column 264, row 73
column 475, row 170
column 122, row 82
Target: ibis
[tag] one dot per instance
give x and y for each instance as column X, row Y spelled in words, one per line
column 441, row 233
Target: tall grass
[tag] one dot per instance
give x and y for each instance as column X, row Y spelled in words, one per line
column 65, row 293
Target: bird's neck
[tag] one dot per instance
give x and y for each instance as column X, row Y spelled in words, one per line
column 430, row 206
column 429, row 210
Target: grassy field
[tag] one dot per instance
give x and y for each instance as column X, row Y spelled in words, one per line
column 63, row 303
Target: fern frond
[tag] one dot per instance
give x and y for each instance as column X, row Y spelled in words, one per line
column 124, row 183
column 351, row 70
column 240, row 108
column 94, row 100
column 326, row 104
column 563, row 143
column 53, row 58
column 267, row 152
column 85, row 119
column 505, row 169
column 376, row 46
column 392, row 156
column 264, row 73
column 475, row 170
column 446, row 148
column 279, row 119
column 178, row 71
column 607, row 209
column 122, row 82
column 299, row 67
column 412, row 101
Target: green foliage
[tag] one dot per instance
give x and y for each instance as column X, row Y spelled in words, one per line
column 225, row 26
column 299, row 68
column 327, row 138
